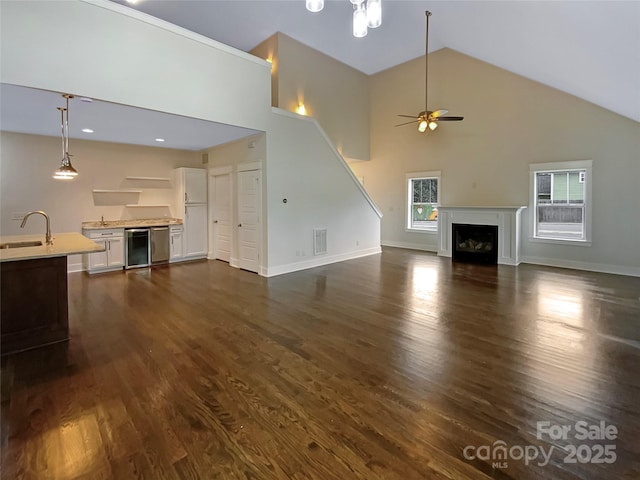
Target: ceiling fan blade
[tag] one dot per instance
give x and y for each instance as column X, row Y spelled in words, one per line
column 407, row 123
column 439, row 113
column 408, row 116
column 450, row 119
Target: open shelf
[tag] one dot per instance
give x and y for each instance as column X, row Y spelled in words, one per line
column 150, row 179
column 138, row 205
column 114, row 196
column 99, row 190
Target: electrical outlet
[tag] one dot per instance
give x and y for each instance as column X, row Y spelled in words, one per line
column 18, row 216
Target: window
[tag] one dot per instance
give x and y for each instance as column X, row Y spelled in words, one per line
column 560, row 204
column 423, row 193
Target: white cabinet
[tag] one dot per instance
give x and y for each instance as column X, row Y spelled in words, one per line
column 191, row 204
column 195, row 231
column 113, row 256
column 176, row 243
column 191, row 185
column 195, row 185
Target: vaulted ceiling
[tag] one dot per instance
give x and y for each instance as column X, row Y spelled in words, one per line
column 590, row 49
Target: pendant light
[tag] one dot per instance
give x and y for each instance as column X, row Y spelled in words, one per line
column 66, row 170
column 315, row 5
column 360, row 21
column 366, row 14
column 374, row 13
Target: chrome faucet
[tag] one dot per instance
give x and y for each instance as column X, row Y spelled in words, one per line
column 46, row 217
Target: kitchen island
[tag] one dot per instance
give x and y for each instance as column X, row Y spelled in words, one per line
column 33, row 290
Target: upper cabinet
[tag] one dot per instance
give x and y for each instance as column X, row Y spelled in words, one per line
column 191, row 185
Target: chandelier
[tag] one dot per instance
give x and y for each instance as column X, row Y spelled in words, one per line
column 366, row 14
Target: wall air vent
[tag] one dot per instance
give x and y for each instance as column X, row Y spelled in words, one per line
column 319, row 241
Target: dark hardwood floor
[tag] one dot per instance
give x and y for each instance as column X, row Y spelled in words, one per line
column 395, row 366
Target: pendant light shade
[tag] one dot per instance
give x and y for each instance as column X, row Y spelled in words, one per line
column 315, row 5
column 359, row 22
column 374, row 13
column 366, row 14
column 66, row 170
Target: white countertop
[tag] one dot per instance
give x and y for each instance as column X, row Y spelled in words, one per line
column 146, row 222
column 64, row 244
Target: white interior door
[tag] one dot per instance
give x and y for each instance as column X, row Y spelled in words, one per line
column 249, row 212
column 221, row 227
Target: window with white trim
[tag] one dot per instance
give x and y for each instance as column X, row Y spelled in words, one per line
column 423, row 194
column 561, row 201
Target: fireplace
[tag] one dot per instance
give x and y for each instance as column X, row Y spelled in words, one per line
column 474, row 243
column 506, row 219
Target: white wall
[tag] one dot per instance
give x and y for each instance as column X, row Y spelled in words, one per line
column 118, row 55
column 510, row 122
column 28, row 161
column 247, row 150
column 321, row 192
column 103, row 50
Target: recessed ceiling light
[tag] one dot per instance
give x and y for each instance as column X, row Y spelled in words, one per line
column 86, row 100
column 87, row 130
column 159, row 139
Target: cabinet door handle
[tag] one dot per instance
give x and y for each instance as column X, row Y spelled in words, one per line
column 239, row 225
column 215, row 221
column 186, row 197
column 109, row 243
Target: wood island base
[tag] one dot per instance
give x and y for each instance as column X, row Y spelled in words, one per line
column 33, row 303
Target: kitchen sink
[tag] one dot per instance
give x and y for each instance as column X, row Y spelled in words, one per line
column 32, row 243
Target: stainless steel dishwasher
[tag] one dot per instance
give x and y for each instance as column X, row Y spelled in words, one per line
column 159, row 245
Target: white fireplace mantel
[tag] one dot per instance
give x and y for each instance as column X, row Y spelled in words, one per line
column 506, row 218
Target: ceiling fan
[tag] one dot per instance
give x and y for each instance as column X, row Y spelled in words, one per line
column 427, row 118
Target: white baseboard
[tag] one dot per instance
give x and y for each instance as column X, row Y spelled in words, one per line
column 318, row 262
column 75, row 267
column 589, row 266
column 411, row 246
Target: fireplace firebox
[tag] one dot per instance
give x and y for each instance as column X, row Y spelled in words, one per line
column 475, row 243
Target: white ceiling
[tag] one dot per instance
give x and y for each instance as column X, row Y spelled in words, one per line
column 590, row 49
column 28, row 110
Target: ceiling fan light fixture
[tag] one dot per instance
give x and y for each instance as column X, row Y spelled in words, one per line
column 427, row 118
column 315, row 5
column 360, row 21
column 374, row 13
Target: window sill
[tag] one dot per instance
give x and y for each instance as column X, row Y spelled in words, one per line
column 561, row 241
column 417, row 230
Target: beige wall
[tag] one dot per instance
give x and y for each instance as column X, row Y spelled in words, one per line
column 333, row 93
column 268, row 50
column 510, row 122
column 28, row 161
